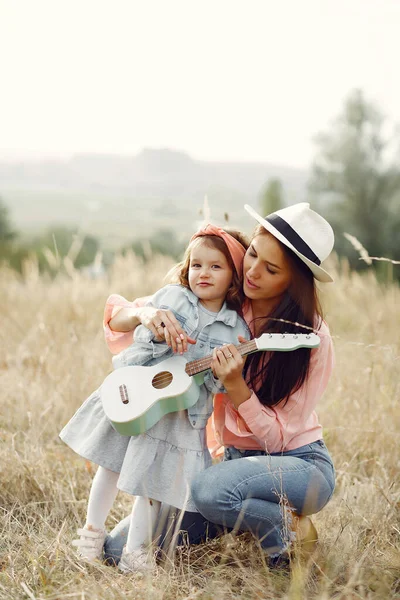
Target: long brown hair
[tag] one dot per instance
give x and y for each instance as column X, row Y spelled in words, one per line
column 180, row 273
column 283, row 373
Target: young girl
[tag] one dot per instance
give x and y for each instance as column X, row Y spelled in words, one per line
column 159, row 465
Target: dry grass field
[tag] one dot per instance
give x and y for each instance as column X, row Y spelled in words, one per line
column 53, row 355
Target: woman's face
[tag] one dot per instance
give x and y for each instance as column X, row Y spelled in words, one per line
column 266, row 270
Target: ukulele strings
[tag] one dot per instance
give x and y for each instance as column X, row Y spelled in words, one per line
column 202, row 364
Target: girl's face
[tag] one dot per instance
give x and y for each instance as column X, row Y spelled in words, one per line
column 266, row 271
column 210, row 276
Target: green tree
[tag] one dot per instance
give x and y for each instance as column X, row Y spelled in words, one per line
column 271, row 198
column 7, row 237
column 163, row 241
column 50, row 248
column 7, row 233
column 356, row 180
column 60, row 242
column 65, row 241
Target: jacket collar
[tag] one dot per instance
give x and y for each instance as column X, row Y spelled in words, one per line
column 225, row 315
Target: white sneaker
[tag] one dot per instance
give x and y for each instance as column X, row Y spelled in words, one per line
column 141, row 561
column 90, row 543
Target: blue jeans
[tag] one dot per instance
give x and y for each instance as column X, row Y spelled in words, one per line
column 253, row 493
column 248, row 495
column 173, row 528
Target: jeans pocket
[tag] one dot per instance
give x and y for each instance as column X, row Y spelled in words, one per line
column 317, row 445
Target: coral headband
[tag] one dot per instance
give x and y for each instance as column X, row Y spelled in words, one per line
column 236, row 250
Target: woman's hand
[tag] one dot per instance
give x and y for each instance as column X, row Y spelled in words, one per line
column 165, row 326
column 227, row 365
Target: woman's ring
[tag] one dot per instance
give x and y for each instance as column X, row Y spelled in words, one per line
column 229, row 355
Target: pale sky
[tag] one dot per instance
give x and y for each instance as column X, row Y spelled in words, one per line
column 221, row 79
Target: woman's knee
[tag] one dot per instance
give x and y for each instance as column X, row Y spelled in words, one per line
column 212, row 491
column 202, row 490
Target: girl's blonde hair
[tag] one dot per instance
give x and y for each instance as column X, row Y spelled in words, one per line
column 180, row 272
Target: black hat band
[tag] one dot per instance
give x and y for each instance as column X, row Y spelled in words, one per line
column 293, row 237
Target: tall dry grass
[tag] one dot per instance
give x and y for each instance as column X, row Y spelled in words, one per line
column 53, row 355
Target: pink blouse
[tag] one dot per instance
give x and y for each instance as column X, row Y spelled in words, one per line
column 253, row 425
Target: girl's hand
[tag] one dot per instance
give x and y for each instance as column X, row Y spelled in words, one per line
column 165, row 326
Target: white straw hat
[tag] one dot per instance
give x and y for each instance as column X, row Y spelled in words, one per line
column 302, row 230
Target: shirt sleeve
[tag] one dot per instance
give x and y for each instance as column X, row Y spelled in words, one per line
column 215, row 448
column 274, row 427
column 118, row 340
column 170, row 297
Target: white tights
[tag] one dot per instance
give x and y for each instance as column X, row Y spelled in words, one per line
column 144, row 515
column 101, row 499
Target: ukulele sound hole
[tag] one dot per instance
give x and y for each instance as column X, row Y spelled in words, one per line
column 162, row 380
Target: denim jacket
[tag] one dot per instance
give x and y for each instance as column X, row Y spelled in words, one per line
column 224, row 328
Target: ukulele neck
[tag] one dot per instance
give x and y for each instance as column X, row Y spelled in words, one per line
column 198, row 366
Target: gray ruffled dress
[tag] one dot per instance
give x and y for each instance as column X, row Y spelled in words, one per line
column 162, row 462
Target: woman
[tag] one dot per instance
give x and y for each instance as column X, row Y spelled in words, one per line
column 268, row 417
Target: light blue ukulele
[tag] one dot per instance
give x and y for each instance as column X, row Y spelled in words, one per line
column 136, row 398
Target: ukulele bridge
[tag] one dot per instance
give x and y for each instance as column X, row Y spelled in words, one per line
column 123, row 392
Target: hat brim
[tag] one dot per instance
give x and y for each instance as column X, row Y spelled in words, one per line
column 319, row 273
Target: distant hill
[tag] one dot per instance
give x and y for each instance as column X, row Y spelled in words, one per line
column 119, row 197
